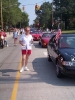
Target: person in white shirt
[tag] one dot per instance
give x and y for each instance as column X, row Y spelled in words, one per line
column 26, row 40
column 15, row 36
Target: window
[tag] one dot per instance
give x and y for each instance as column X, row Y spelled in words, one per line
column 67, row 42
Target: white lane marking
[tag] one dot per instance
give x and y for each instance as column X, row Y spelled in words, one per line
column 45, row 53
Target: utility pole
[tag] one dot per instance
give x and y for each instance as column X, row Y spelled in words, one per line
column 1, row 17
column 9, row 15
column 45, row 18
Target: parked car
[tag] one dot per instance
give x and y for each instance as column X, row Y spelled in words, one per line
column 36, row 35
column 32, row 29
column 62, row 53
column 44, row 39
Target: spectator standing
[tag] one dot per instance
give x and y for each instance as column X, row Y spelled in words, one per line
column 15, row 36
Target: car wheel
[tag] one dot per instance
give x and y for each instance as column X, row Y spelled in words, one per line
column 39, row 43
column 58, row 72
column 42, row 46
column 49, row 59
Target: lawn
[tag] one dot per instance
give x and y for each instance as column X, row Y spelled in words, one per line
column 69, row 31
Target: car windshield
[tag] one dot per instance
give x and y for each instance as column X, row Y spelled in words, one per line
column 67, row 42
column 46, row 35
column 32, row 29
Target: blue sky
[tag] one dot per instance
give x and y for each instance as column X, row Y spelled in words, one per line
column 30, row 7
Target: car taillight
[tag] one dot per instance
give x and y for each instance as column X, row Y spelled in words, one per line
column 44, row 43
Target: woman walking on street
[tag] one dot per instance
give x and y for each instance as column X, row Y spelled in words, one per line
column 26, row 41
column 15, row 36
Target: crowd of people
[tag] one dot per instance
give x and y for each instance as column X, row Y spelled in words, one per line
column 16, row 32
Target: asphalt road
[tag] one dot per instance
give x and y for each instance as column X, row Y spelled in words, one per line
column 39, row 83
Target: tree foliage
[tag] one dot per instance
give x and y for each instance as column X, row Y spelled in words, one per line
column 63, row 14
column 12, row 14
column 65, row 10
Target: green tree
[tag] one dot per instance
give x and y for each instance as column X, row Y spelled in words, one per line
column 36, row 21
column 24, row 19
column 65, row 10
column 12, row 14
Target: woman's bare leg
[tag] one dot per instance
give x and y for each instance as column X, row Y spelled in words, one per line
column 26, row 60
column 23, row 60
column 23, row 63
column 15, row 41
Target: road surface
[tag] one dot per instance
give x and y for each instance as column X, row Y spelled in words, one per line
column 39, row 83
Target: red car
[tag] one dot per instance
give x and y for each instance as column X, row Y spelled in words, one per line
column 36, row 35
column 44, row 39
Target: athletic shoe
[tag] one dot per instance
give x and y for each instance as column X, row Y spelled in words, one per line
column 22, row 69
column 26, row 69
column 7, row 45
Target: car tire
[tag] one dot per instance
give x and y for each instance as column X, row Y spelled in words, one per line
column 42, row 46
column 39, row 43
column 49, row 59
column 58, row 72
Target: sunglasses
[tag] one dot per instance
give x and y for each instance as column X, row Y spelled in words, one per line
column 27, row 30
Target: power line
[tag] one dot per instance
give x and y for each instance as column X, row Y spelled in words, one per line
column 35, row 3
column 23, row 6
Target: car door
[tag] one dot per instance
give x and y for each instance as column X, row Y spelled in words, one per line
column 52, row 50
column 55, row 49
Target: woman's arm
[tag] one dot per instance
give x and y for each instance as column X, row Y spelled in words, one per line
column 32, row 41
column 21, row 43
